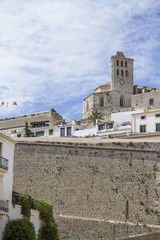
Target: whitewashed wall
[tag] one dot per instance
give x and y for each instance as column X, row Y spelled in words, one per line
column 6, row 178
column 122, row 117
column 86, row 132
column 150, row 121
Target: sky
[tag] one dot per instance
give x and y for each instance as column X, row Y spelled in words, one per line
column 54, row 53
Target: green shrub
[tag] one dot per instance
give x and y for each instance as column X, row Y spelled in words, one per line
column 48, row 231
column 19, row 229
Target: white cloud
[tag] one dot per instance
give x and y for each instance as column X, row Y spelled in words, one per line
column 59, row 51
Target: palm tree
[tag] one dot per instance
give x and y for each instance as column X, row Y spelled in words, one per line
column 95, row 115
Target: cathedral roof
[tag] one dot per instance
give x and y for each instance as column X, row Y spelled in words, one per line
column 103, row 86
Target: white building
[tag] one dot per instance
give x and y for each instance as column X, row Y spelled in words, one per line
column 6, row 179
column 146, row 122
column 7, row 210
column 46, row 131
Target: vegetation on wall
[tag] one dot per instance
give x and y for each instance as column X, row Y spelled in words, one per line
column 48, row 229
column 19, row 229
column 25, row 203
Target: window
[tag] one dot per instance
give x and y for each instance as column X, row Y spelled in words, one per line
column 62, row 131
column 101, row 101
column 101, row 127
column 19, row 135
column 109, row 125
column 157, row 127
column 158, row 115
column 117, row 62
column 39, row 133
column 127, row 73
column 121, row 101
column 143, row 117
column 121, row 72
column 117, row 71
column 142, row 128
column 121, row 63
column 151, row 101
column 125, row 64
column 50, row 131
column 37, row 125
column 68, row 131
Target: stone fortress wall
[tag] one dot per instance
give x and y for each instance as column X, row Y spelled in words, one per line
column 115, row 182
column 150, row 236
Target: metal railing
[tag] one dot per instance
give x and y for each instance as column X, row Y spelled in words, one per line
column 4, row 163
column 4, row 206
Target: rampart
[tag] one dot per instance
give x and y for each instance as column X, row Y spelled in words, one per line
column 149, row 236
column 117, row 182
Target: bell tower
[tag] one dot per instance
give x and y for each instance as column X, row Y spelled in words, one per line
column 122, row 78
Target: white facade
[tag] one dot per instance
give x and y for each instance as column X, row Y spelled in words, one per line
column 86, row 132
column 6, row 179
column 120, row 118
column 39, row 131
column 146, row 122
column 7, row 210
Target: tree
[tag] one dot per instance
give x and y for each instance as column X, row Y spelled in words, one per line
column 19, row 229
column 27, row 130
column 95, row 115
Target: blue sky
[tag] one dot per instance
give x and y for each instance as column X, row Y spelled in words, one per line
column 53, row 53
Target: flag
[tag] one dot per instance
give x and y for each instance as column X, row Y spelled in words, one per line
column 7, row 104
column 14, row 103
column 2, row 103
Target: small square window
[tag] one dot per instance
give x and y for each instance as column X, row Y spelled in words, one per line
column 143, row 117
column 142, row 128
column 19, row 135
column 158, row 115
column 151, row 101
column 109, row 125
column 50, row 131
column 101, row 127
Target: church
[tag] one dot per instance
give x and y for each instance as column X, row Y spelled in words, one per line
column 121, row 93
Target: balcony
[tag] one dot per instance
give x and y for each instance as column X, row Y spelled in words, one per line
column 3, row 164
column 4, row 207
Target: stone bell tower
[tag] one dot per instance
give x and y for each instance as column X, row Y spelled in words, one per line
column 122, row 78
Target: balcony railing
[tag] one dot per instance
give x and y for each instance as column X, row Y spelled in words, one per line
column 4, row 163
column 4, row 206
